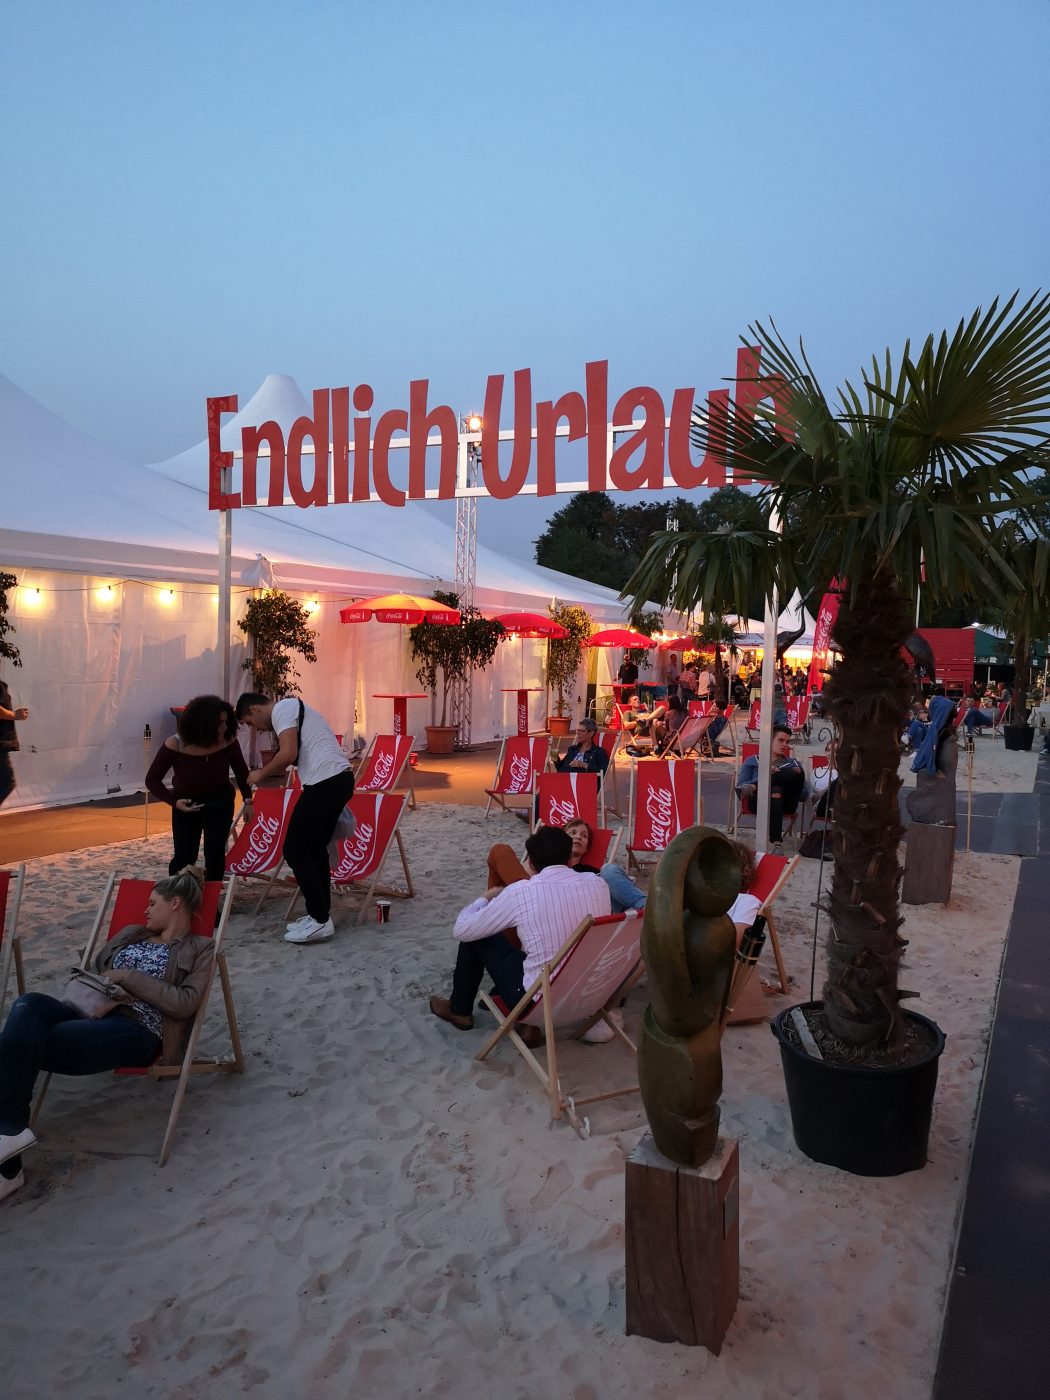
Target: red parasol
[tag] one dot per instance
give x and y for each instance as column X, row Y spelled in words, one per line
column 620, row 637
column 402, row 608
column 526, row 624
column 687, row 643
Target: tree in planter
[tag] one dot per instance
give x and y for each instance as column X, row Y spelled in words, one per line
column 455, row 651
column 911, row 472
column 716, row 632
column 564, row 654
column 8, row 650
column 648, row 623
column 276, row 625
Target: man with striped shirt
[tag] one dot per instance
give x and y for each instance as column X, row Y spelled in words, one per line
column 510, row 933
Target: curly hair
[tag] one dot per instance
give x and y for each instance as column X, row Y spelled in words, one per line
column 199, row 721
column 746, row 857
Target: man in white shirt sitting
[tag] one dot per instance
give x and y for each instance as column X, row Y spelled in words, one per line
column 510, row 933
column 304, row 738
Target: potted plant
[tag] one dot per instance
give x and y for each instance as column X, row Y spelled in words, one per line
column 564, row 655
column 906, row 479
column 454, row 651
column 1025, row 617
column 277, row 625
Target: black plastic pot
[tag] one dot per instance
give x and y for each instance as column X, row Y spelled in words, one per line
column 869, row 1121
column 1018, row 736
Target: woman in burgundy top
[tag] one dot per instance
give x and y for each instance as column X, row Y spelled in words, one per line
column 200, row 757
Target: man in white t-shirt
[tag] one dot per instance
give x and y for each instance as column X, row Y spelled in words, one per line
column 304, row 738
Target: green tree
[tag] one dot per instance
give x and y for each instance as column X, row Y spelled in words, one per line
column 912, row 470
column 278, row 627
column 564, row 654
column 8, row 650
column 454, row 651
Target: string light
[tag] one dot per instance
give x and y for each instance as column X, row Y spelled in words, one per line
column 312, row 605
column 106, row 593
column 167, row 596
column 32, row 597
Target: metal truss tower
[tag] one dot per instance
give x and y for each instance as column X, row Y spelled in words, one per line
column 466, row 578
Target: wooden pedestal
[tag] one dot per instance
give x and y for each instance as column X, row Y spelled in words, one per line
column 683, row 1245
column 928, row 864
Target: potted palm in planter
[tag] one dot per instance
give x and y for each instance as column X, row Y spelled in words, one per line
column 907, row 478
column 453, row 651
column 1025, row 617
column 564, row 655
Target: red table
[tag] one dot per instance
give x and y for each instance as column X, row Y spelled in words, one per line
column 401, row 708
column 523, row 692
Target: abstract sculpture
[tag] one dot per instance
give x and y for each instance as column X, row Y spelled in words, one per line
column 688, row 945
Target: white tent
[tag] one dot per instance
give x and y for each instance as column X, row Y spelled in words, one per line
column 795, row 615
column 116, row 608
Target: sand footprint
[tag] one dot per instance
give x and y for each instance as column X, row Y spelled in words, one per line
column 557, row 1182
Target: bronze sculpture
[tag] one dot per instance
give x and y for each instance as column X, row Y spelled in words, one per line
column 688, row 945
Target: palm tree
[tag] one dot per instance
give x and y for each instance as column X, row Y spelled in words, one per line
column 1024, row 613
column 715, row 631
column 906, row 477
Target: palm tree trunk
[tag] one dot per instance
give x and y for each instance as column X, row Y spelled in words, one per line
column 867, row 695
column 1022, row 678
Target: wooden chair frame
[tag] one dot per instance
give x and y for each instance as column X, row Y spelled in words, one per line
column 395, row 779
column 507, row 1023
column 374, row 887
column 191, row 1064
column 10, row 943
column 496, row 795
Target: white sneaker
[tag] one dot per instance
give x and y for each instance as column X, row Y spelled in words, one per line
column 298, row 923
column 310, row 932
column 601, row 1031
column 8, row 1187
column 11, row 1144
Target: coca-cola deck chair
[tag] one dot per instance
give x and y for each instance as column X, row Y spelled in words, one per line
column 685, row 740
column 129, row 907
column 12, row 883
column 665, row 799
column 565, row 797
column 772, row 872
column 522, row 759
column 798, row 716
column 611, row 740
column 384, row 763
column 754, row 722
column 256, row 853
column 585, row 979
column 361, row 856
column 746, row 806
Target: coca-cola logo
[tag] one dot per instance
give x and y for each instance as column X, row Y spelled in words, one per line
column 520, row 776
column 523, row 716
column 356, row 853
column 562, row 811
column 262, row 841
column 659, row 806
column 382, row 768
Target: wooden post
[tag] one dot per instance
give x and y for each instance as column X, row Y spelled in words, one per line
column 928, row 864
column 683, row 1245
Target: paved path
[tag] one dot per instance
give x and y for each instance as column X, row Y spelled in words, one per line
column 996, row 1339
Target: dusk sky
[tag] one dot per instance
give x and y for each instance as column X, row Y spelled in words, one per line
column 198, row 194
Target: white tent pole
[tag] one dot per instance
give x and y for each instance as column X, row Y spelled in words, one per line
column 225, row 579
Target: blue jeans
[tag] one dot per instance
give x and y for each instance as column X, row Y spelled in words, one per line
column 624, row 892
column 42, row 1033
column 916, row 732
column 977, row 719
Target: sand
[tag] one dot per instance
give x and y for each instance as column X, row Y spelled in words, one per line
column 368, row 1212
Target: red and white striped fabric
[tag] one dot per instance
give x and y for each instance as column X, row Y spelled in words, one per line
column 664, row 801
column 566, row 797
column 384, row 763
column 257, row 849
column 362, row 854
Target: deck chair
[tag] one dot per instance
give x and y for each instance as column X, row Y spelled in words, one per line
column 256, row 853
column 563, row 797
column 699, row 708
column 754, row 722
column 727, row 738
column 742, row 806
column 602, row 849
column 129, row 907
column 385, row 762
column 12, row 883
column 610, row 741
column 362, row 855
column 522, row 759
column 684, row 741
column 798, row 716
column 772, row 873
column 665, row 799
column 999, row 718
column 585, row 979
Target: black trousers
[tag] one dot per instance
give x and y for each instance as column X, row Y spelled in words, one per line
column 309, row 832
column 783, row 800
column 495, row 955
column 213, row 823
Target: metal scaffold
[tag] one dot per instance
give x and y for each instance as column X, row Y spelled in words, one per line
column 466, row 567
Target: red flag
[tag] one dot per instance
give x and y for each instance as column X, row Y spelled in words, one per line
column 829, row 611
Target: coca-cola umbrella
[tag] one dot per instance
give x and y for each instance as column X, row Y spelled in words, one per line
column 620, row 637
column 522, row 625
column 406, row 610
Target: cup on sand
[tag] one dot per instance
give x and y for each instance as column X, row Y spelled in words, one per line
column 382, row 911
